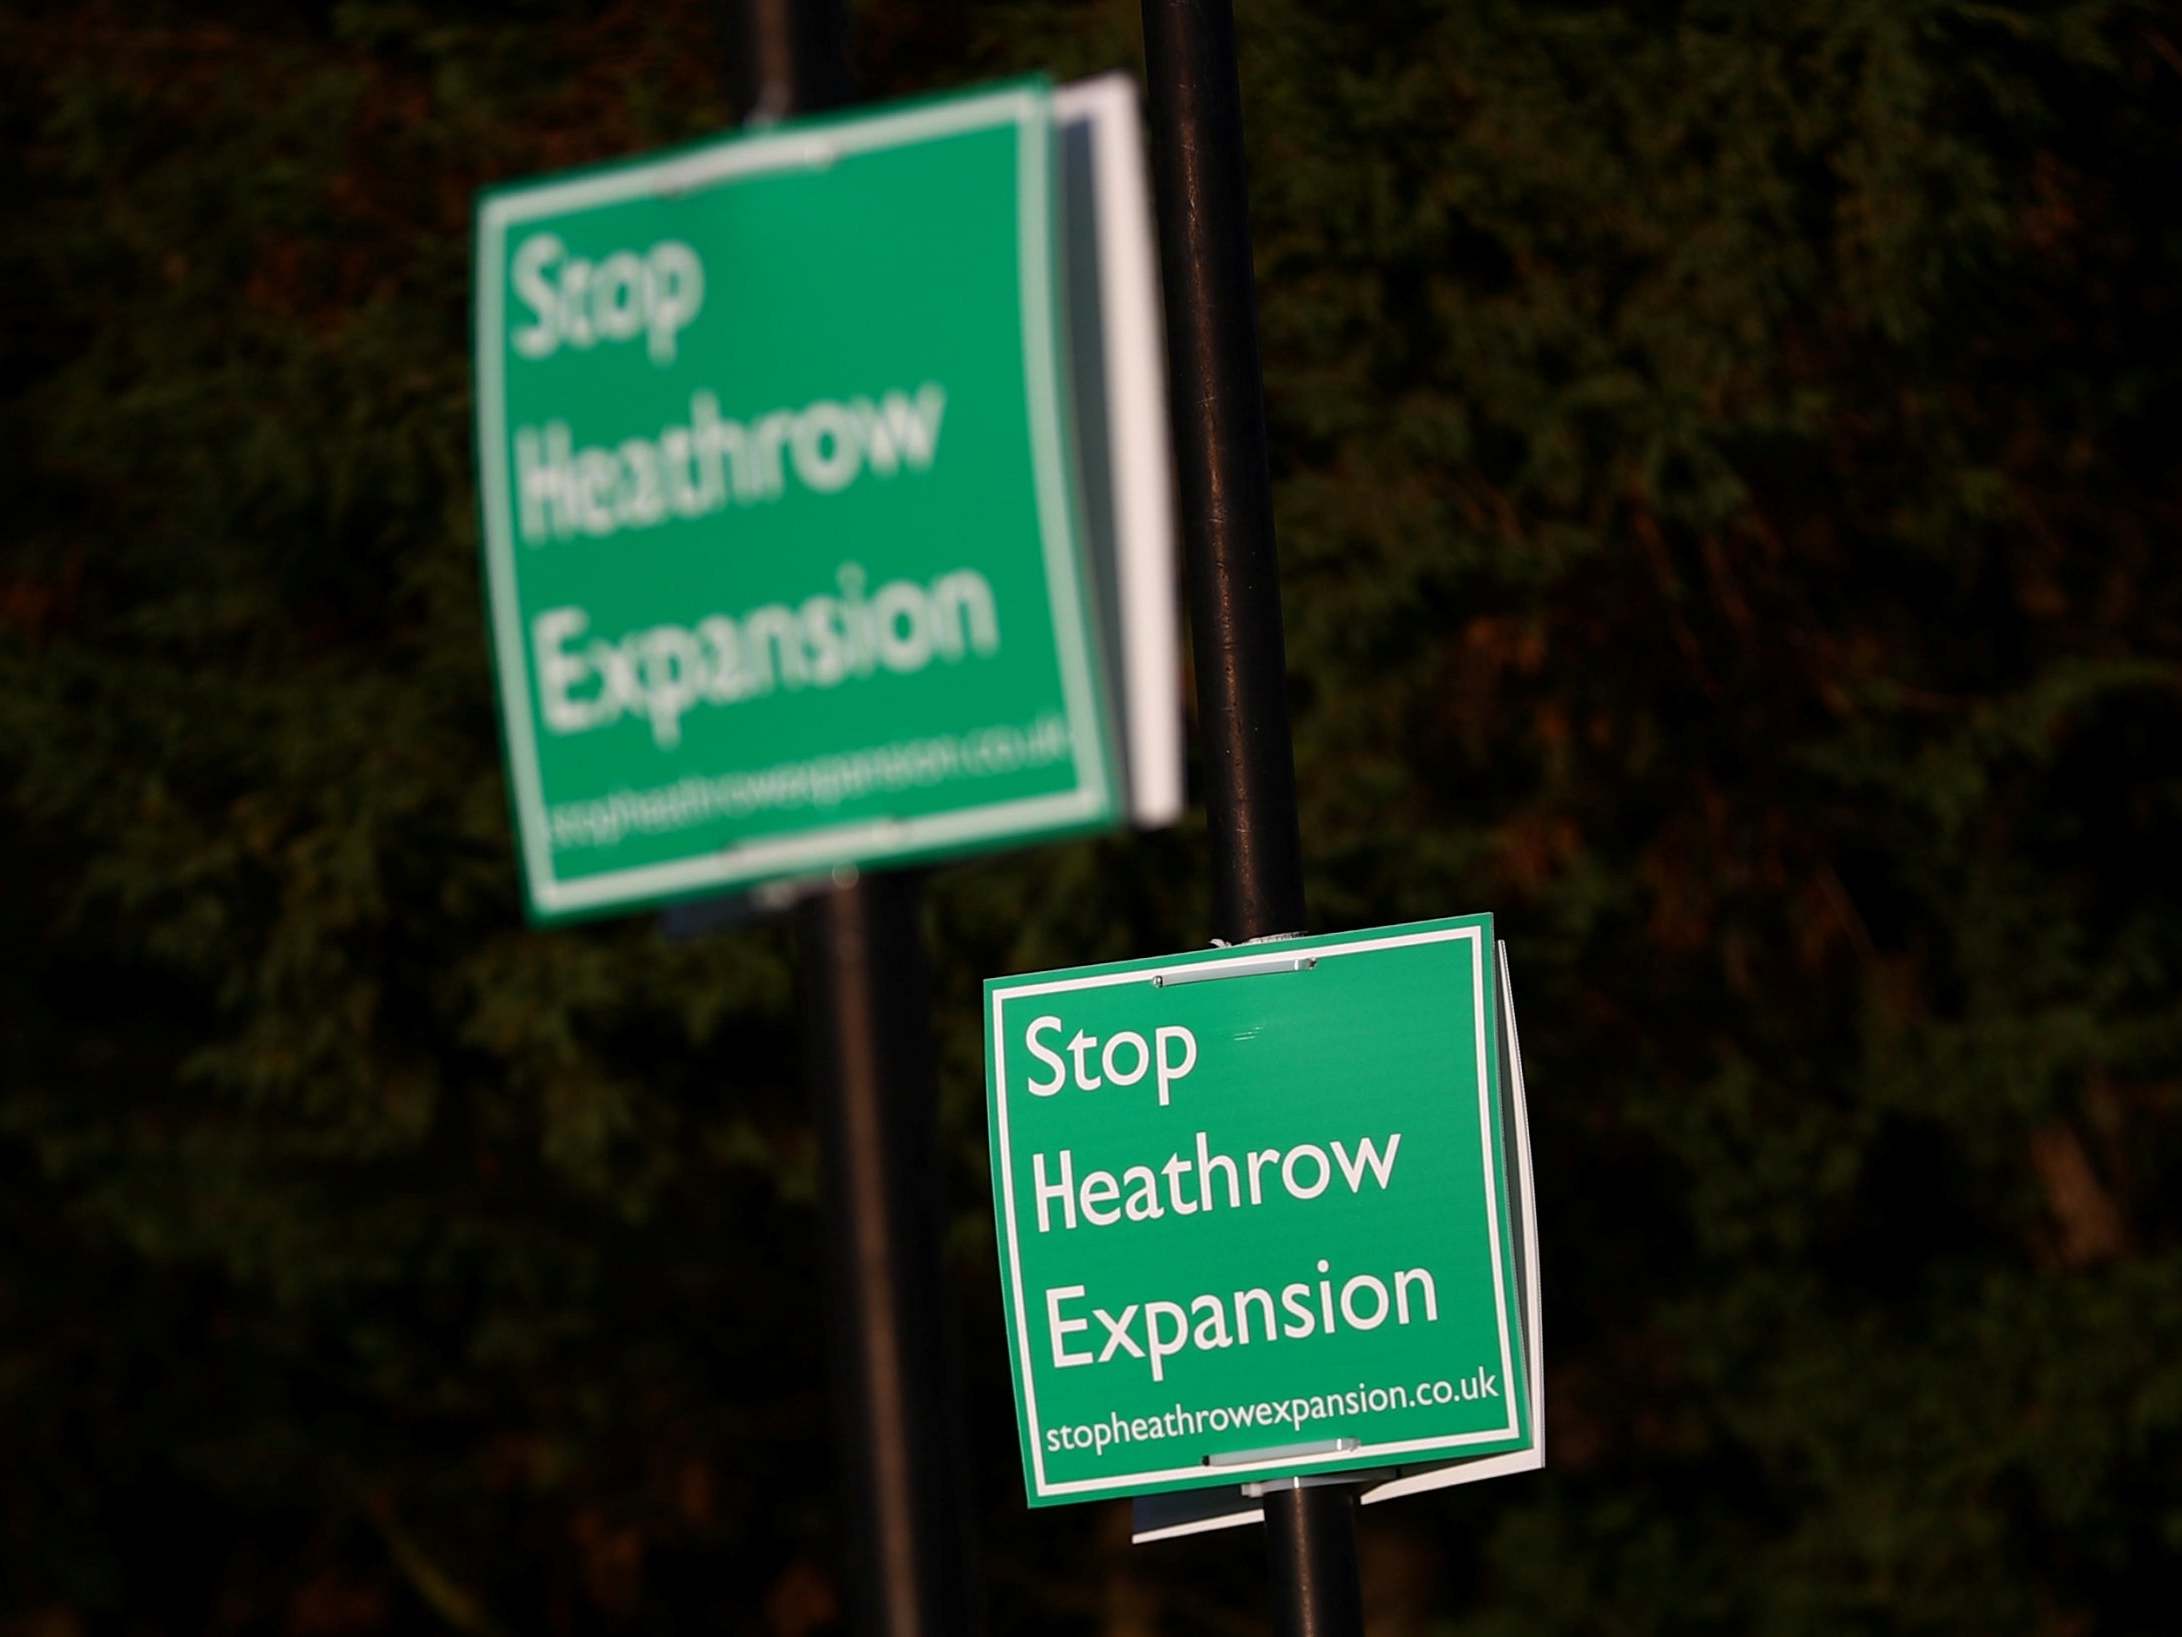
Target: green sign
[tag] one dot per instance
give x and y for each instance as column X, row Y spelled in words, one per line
column 1254, row 1214
column 780, row 525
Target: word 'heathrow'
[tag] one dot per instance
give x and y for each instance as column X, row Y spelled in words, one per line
column 694, row 468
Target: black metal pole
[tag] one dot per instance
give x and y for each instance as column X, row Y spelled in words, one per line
column 1235, row 623
column 1310, row 1541
column 1227, row 503
column 878, row 1125
column 897, row 1417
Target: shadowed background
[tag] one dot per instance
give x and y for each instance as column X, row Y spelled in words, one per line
column 1725, row 470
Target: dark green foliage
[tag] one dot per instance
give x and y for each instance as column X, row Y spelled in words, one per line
column 1728, row 526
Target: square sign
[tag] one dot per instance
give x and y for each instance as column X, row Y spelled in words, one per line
column 781, row 531
column 1254, row 1214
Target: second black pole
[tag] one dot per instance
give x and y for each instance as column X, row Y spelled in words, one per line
column 1235, row 622
column 896, row 1421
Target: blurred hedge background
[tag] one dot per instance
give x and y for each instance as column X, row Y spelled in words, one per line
column 1728, row 499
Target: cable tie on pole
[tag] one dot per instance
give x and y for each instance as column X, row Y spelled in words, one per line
column 1283, row 1452
column 1215, row 970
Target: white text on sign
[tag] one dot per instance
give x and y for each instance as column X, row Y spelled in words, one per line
column 580, row 303
column 1199, row 1179
column 1126, row 1048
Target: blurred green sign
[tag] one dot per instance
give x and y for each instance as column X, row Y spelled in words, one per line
column 780, row 522
column 1254, row 1213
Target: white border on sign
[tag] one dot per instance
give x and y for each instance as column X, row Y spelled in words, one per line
column 747, row 156
column 1534, row 1325
column 1288, row 1464
column 1142, row 480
